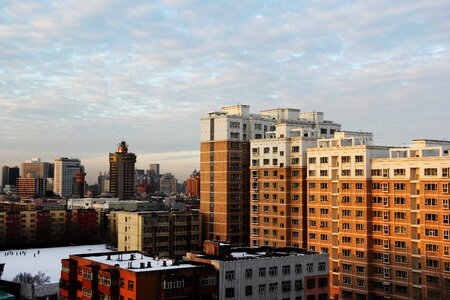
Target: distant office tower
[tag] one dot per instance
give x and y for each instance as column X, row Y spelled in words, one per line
column 193, row 184
column 153, row 178
column 225, row 161
column 29, row 187
column 64, row 183
column 80, row 182
column 168, row 183
column 37, row 169
column 122, row 172
column 103, row 182
column 154, row 169
column 9, row 175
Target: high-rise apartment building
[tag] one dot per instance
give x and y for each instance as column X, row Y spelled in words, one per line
column 122, row 172
column 225, row 165
column 193, row 184
column 382, row 214
column 64, row 183
column 29, row 186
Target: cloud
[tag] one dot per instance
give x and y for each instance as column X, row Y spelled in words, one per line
column 77, row 76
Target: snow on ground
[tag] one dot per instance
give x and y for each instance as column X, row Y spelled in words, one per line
column 47, row 260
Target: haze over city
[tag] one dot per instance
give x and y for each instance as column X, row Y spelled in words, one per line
column 77, row 77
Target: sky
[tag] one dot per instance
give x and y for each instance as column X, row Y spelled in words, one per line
column 77, row 77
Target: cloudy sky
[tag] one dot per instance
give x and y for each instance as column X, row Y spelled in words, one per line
column 78, row 76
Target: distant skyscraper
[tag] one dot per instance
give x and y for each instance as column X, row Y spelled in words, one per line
column 37, row 169
column 9, row 175
column 154, row 169
column 64, row 176
column 168, row 183
column 193, row 184
column 153, row 178
column 122, row 172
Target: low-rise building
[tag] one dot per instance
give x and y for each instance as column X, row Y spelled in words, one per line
column 266, row 273
column 162, row 233
column 133, row 275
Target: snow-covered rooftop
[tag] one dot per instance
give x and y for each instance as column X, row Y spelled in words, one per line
column 47, row 260
column 137, row 262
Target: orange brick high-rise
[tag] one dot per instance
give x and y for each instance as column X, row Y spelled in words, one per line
column 225, row 162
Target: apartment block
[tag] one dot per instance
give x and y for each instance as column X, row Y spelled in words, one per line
column 38, row 228
column 380, row 213
column 225, row 165
column 266, row 273
column 161, row 233
column 278, row 182
column 339, row 214
column 411, row 222
column 135, row 276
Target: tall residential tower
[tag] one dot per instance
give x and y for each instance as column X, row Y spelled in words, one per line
column 225, row 162
column 122, row 172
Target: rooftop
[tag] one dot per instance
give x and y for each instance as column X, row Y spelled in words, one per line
column 136, row 261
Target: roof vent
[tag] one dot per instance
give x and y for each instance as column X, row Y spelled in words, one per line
column 149, row 264
column 108, row 257
column 131, row 256
column 164, row 263
column 142, row 265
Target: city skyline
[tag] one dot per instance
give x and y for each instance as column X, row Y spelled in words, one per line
column 77, row 77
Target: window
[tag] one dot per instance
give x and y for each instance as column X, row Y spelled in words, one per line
column 273, row 271
column 399, row 172
column 430, row 186
column 431, row 217
column 346, row 172
column 324, row 185
column 285, row 286
column 346, row 280
column 248, row 273
column 399, row 186
column 286, row 270
column 273, row 287
column 359, row 172
column 321, row 266
column 345, row 159
column 262, row 288
column 359, row 158
column 229, row 292
column 295, row 149
column 298, row 269
column 309, row 267
column 312, row 160
column 248, row 290
column 430, row 171
column 298, row 285
column 323, row 172
column 229, row 275
column 131, row 285
column 324, row 160
column 295, row 161
column 359, row 186
column 262, row 272
column 346, row 186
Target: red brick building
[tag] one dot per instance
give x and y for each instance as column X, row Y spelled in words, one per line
column 135, row 276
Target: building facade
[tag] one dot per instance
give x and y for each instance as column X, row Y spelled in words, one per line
column 193, row 185
column 122, row 173
column 135, row 276
column 29, row 187
column 161, row 233
column 37, row 169
column 266, row 273
column 381, row 214
column 9, row 175
column 64, row 183
column 225, row 165
column 38, row 228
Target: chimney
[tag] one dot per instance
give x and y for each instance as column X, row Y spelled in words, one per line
column 149, row 264
column 164, row 263
column 142, row 265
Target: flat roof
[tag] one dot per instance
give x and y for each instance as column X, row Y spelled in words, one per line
column 132, row 261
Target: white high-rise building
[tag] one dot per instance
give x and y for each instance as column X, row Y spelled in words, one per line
column 64, row 179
